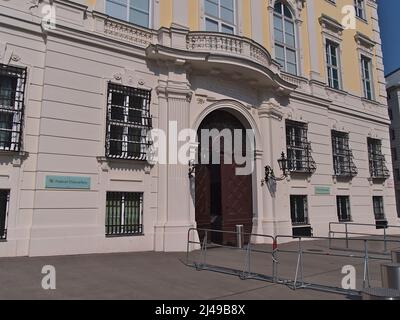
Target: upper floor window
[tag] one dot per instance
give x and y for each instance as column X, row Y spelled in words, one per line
column 220, row 16
column 342, row 155
column 377, row 162
column 12, row 87
column 332, row 64
column 285, row 39
column 134, row 11
column 128, row 122
column 298, row 148
column 367, row 77
column 359, row 5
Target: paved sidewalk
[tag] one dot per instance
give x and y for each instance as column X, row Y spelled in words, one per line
column 154, row 276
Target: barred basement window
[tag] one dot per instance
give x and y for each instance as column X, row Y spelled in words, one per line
column 124, row 214
column 299, row 210
column 12, row 87
column 298, row 148
column 342, row 156
column 4, row 204
column 343, row 208
column 379, row 212
column 377, row 162
column 128, row 122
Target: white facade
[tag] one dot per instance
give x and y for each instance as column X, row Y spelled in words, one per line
column 393, row 88
column 68, row 70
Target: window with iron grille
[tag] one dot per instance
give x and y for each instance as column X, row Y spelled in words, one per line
column 298, row 148
column 12, row 87
column 124, row 214
column 4, row 204
column 343, row 163
column 128, row 122
column 379, row 209
column 299, row 210
column 377, row 162
column 343, row 208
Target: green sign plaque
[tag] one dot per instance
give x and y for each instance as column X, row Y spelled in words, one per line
column 59, row 182
column 322, row 191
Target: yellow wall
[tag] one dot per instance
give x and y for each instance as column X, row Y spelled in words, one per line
column 349, row 58
column 194, row 14
column 350, row 55
column 166, row 13
column 246, row 5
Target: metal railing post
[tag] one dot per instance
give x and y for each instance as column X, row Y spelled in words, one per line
column 366, row 279
column 299, row 267
column 347, row 236
column 385, row 240
column 204, row 249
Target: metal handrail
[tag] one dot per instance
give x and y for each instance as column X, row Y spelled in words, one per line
column 298, row 281
column 348, row 234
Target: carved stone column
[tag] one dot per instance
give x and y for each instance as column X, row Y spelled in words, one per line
column 174, row 218
column 275, row 218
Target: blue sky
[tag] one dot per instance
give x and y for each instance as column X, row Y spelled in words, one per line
column 389, row 17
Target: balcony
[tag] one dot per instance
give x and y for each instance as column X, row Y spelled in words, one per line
column 233, row 54
column 230, row 45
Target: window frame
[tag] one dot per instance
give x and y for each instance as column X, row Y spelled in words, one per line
column 219, row 19
column 298, row 145
column 284, row 44
column 366, row 80
column 340, row 202
column 377, row 161
column 151, row 5
column 330, row 67
column 379, row 216
column 294, row 201
column 145, row 126
column 16, row 107
column 4, row 216
column 124, row 230
column 345, row 153
column 359, row 6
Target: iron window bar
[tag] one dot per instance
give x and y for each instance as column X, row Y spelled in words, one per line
column 124, row 214
column 343, row 159
column 299, row 210
column 12, row 105
column 299, row 152
column 343, row 209
column 4, row 208
column 377, row 161
column 128, row 123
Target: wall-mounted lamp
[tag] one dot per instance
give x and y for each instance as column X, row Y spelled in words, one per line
column 192, row 169
column 269, row 172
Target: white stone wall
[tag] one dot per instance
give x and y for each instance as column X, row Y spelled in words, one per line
column 65, row 125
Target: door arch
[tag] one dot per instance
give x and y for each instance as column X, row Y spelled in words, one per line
column 223, row 199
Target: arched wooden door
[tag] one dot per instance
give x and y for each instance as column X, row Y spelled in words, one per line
column 223, row 198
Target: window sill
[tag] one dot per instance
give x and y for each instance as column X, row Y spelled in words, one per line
column 125, row 236
column 16, row 157
column 106, row 163
column 337, row 91
column 362, row 19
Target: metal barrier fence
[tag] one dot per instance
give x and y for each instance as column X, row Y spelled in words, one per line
column 241, row 266
column 388, row 241
column 272, row 262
